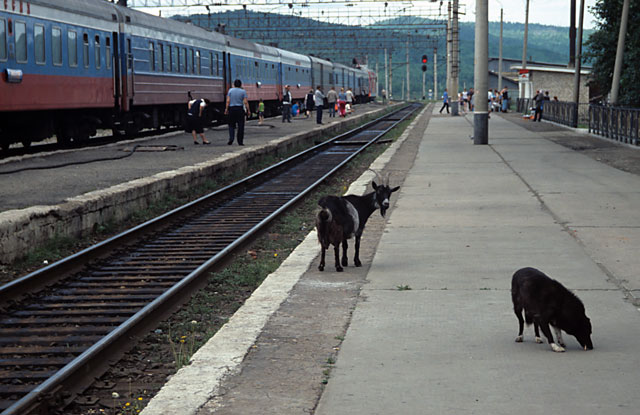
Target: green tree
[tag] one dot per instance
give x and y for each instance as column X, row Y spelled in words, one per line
column 601, row 50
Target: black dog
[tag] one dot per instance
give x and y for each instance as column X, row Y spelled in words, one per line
column 547, row 302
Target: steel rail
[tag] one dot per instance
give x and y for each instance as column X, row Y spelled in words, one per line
column 93, row 358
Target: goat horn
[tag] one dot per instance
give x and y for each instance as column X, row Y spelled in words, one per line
column 380, row 179
column 387, row 179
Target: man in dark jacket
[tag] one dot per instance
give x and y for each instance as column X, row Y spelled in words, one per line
column 286, row 104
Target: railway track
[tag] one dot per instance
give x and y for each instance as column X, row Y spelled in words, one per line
column 62, row 324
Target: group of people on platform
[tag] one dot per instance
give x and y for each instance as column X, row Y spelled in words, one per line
column 237, row 109
column 337, row 102
column 498, row 101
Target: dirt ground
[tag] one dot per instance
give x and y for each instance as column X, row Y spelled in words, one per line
column 621, row 156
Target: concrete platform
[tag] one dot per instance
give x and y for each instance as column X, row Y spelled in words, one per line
column 466, row 218
column 71, row 199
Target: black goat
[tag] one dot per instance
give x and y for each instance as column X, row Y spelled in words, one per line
column 342, row 217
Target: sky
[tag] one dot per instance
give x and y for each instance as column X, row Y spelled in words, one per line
column 549, row 12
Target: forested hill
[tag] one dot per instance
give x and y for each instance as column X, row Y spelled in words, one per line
column 549, row 44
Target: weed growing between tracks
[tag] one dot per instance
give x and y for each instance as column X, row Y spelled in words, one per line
column 143, row 370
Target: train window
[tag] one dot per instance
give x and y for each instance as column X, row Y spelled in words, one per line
column 56, row 45
column 167, row 58
column 211, row 59
column 38, row 43
column 96, row 47
column 175, row 66
column 197, row 63
column 20, row 30
column 72, row 48
column 3, row 39
column 183, row 59
column 190, row 61
column 85, row 50
column 107, row 52
column 129, row 55
column 161, row 63
column 152, row 56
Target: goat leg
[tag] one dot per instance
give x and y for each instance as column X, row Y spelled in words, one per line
column 345, row 260
column 321, row 266
column 336, row 251
column 356, row 257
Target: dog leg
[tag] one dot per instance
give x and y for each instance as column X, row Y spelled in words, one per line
column 537, row 333
column 518, row 310
column 544, row 326
column 559, row 336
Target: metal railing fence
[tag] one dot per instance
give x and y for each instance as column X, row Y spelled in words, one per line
column 616, row 123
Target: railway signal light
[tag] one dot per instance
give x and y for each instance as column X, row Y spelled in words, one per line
column 424, row 59
column 424, row 68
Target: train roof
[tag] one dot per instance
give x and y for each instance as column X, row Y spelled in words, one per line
column 293, row 58
column 98, row 9
column 255, row 49
column 162, row 24
column 315, row 59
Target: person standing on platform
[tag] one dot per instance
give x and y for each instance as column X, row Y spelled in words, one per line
column 342, row 102
column 260, row 112
column 332, row 99
column 195, row 120
column 505, row 98
column 237, row 103
column 350, row 100
column 445, row 101
column 286, row 105
column 319, row 103
column 308, row 103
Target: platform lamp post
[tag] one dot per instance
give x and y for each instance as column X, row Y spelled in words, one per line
column 481, row 74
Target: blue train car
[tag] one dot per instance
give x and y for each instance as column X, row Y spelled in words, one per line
column 69, row 67
column 258, row 67
column 57, row 68
column 295, row 71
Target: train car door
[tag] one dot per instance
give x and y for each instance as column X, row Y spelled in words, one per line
column 279, row 84
column 129, row 67
column 115, row 59
column 226, row 72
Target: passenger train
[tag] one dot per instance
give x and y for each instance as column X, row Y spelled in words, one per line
column 70, row 67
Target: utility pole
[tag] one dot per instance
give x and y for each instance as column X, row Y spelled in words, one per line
column 386, row 73
column 617, row 71
column 500, row 54
column 481, row 74
column 455, row 62
column 526, row 35
column 449, row 57
column 390, row 74
column 572, row 35
column 408, row 92
column 578, row 63
column 435, row 73
column 524, row 86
